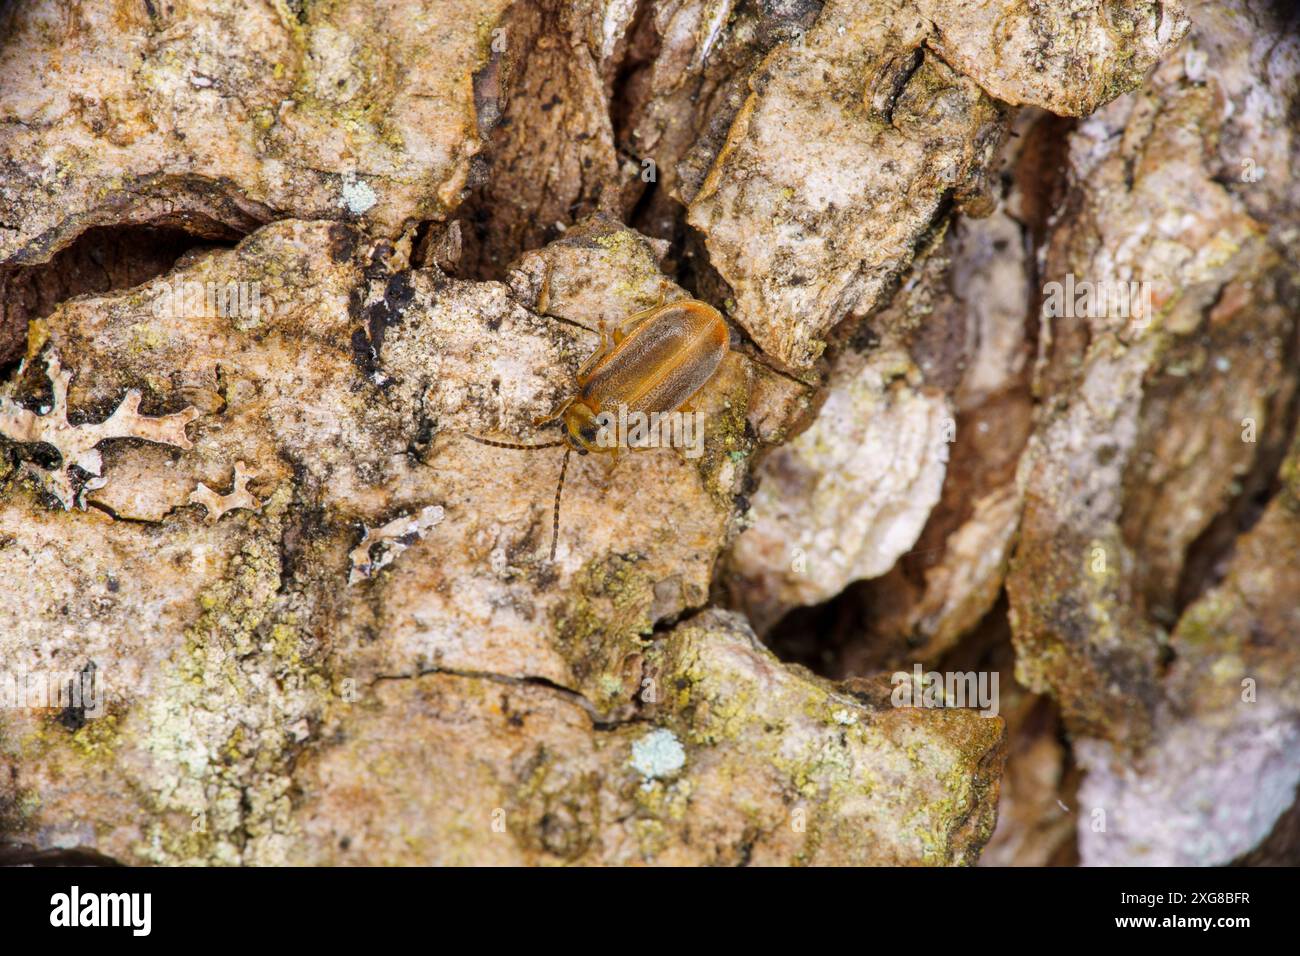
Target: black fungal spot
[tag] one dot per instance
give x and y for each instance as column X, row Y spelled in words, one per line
column 73, row 717
column 343, row 243
column 362, row 354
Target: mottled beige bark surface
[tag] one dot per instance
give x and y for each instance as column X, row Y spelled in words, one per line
column 239, row 113
column 267, row 272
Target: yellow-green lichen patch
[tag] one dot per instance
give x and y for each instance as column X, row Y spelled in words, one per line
column 240, row 701
column 600, row 627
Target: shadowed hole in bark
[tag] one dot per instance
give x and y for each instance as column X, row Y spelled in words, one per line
column 1282, row 845
column 1041, row 176
column 1038, row 808
column 1285, row 13
column 835, row 639
column 549, row 155
column 1209, row 555
column 643, row 46
column 23, row 855
column 646, row 212
column 815, row 636
column 101, row 259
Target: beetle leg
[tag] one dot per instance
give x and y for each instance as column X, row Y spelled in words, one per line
column 554, row 414
column 542, row 302
column 626, row 327
column 663, row 292
column 608, row 463
column 601, row 351
column 544, row 294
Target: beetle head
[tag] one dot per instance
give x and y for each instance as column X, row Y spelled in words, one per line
column 581, row 429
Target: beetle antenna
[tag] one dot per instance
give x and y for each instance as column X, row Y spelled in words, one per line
column 518, row 446
column 555, row 516
column 559, row 488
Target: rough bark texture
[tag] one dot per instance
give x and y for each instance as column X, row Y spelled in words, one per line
column 269, row 271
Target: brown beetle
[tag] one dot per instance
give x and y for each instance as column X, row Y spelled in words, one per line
column 653, row 361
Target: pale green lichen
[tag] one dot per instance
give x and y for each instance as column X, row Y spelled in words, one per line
column 357, row 196
column 658, row 754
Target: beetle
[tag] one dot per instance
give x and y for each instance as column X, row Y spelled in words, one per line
column 655, row 360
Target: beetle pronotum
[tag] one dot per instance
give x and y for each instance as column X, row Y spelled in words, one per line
column 653, row 361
